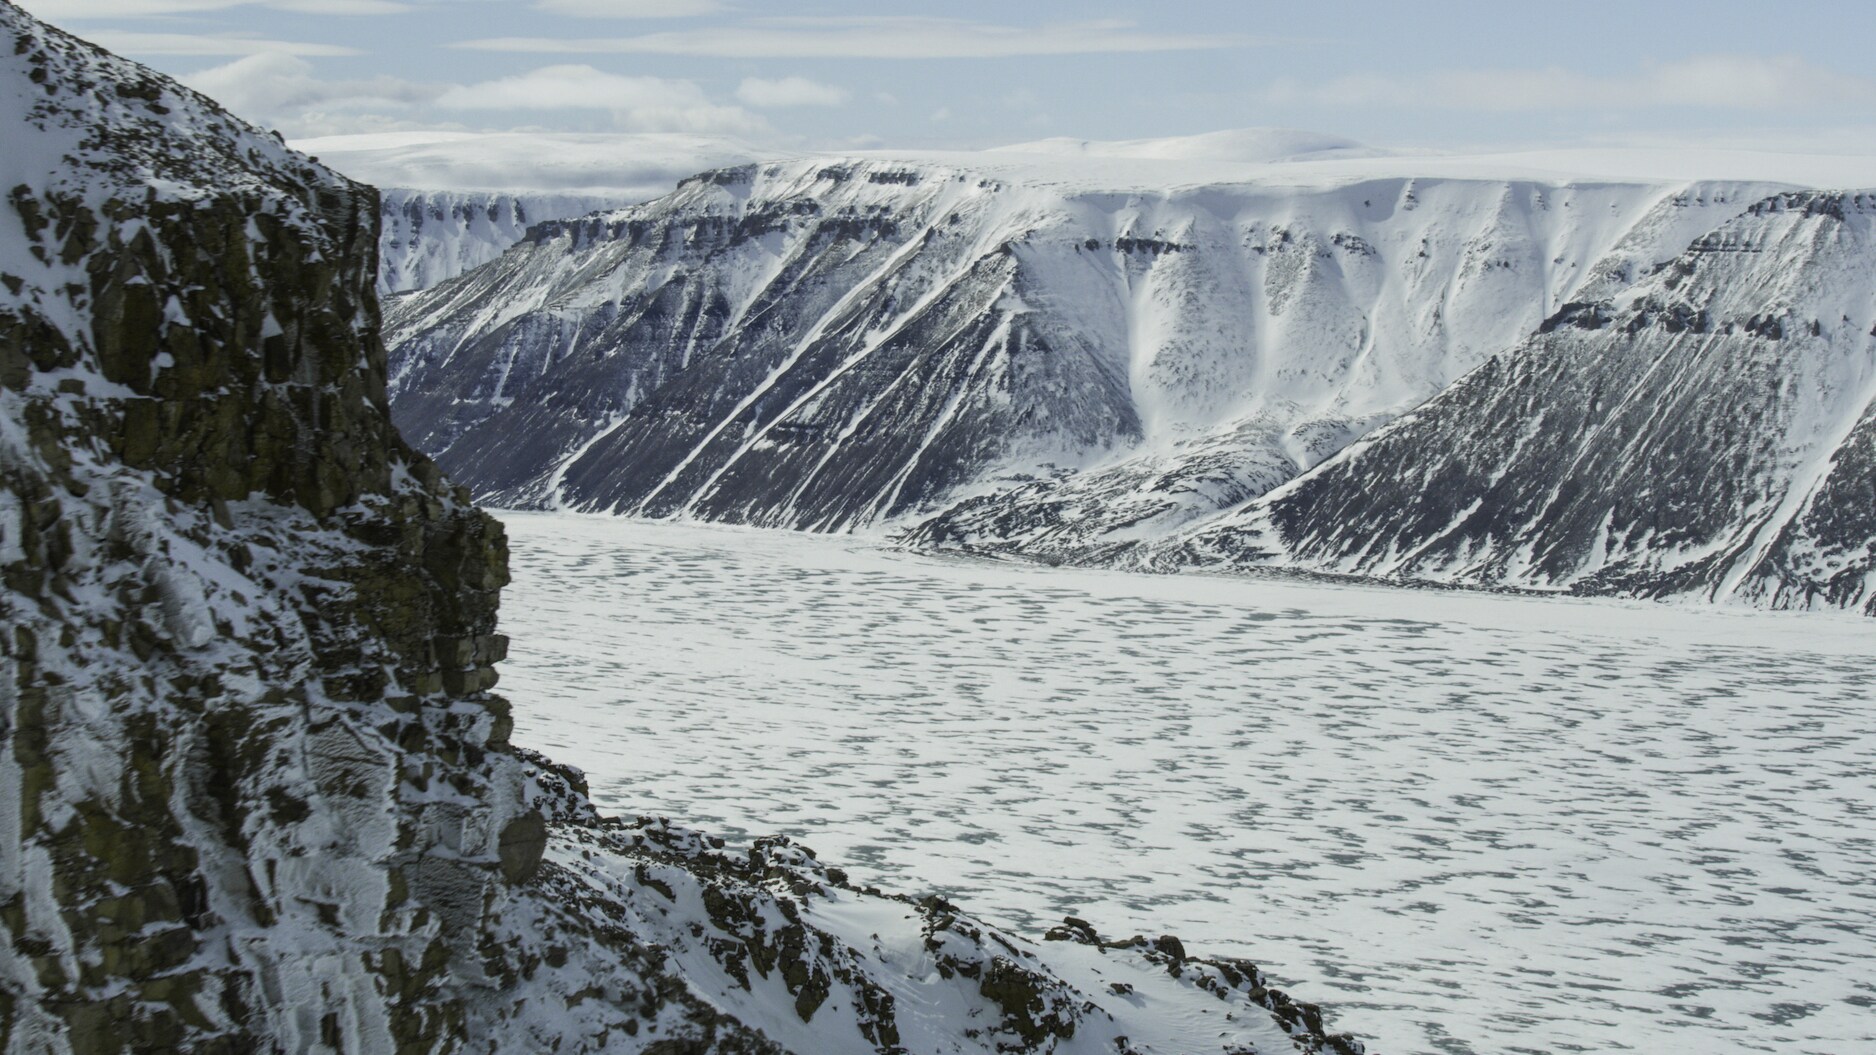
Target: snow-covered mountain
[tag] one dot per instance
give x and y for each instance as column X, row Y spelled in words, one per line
column 456, row 200
column 256, row 793
column 427, row 237
column 835, row 344
column 1063, row 364
column 1709, row 431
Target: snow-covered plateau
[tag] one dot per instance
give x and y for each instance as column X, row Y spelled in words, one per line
column 456, row 200
column 1474, row 823
column 1165, row 354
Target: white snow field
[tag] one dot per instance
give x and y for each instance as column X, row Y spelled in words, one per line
column 1463, row 822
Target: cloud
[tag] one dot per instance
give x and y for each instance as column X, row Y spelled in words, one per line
column 316, row 123
column 789, row 91
column 1717, row 82
column 274, row 84
column 340, row 7
column 62, row 9
column 631, row 8
column 207, row 44
column 1022, row 99
column 286, row 91
column 639, row 104
column 897, row 37
column 566, row 87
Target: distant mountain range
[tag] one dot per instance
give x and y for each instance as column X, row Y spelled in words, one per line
column 1262, row 349
column 457, row 200
column 1707, row 431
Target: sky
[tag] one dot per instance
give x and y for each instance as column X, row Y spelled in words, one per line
column 831, row 74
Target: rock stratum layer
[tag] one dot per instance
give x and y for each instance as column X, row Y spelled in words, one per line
column 255, row 791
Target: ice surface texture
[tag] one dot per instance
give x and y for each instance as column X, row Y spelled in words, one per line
column 1474, row 823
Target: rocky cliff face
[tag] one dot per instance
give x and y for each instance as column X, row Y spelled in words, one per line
column 255, row 791
column 247, row 770
column 833, row 344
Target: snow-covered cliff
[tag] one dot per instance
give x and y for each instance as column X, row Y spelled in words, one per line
column 835, row 344
column 456, row 200
column 255, row 791
column 1707, row 431
column 429, row 237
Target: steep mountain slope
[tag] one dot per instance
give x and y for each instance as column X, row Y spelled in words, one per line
column 832, row 344
column 456, row 200
column 255, row 792
column 1710, row 431
column 430, row 236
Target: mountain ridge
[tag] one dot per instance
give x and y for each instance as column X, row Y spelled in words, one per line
column 429, row 237
column 1790, row 535
column 1041, row 368
column 456, row 200
column 1156, row 321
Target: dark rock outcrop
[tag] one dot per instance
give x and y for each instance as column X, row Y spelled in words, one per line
column 250, row 633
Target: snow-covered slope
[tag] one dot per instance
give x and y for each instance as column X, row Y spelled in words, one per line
column 1065, row 364
column 255, row 791
column 831, row 344
column 429, row 237
column 456, row 200
column 1708, row 431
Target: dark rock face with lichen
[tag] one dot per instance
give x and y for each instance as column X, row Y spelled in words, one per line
column 236, row 603
column 255, row 791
